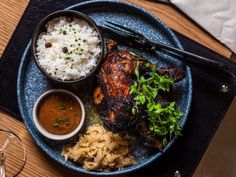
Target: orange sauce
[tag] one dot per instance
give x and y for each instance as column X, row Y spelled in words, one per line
column 59, row 113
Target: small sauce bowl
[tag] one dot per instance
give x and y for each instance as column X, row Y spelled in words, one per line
column 58, row 114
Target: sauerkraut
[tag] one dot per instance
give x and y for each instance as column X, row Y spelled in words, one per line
column 100, row 149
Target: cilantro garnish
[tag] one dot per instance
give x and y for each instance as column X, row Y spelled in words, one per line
column 163, row 121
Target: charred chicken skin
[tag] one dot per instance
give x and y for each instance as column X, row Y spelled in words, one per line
column 115, row 77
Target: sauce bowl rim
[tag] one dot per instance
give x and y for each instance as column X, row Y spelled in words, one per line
column 42, row 130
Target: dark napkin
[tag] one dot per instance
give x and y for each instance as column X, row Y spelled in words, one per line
column 208, row 104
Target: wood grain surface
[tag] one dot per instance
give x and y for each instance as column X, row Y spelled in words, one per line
column 38, row 164
column 10, row 13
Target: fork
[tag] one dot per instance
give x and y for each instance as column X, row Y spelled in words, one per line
column 147, row 44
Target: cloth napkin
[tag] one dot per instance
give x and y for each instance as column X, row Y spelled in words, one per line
column 218, row 17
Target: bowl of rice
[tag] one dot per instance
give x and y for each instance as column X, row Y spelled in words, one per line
column 67, row 46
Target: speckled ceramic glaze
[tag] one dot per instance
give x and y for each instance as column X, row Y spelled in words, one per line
column 32, row 83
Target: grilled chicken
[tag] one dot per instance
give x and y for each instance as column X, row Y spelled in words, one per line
column 115, row 77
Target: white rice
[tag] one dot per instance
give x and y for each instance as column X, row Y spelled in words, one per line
column 80, row 39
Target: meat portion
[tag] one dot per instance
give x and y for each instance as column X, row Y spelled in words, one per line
column 175, row 73
column 112, row 97
column 115, row 78
column 149, row 139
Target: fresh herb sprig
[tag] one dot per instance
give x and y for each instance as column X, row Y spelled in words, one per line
column 61, row 121
column 163, row 121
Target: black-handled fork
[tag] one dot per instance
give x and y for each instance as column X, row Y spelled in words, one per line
column 147, row 44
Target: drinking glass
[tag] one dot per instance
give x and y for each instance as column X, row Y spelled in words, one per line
column 12, row 154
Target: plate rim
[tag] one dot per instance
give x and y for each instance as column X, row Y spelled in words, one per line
column 132, row 168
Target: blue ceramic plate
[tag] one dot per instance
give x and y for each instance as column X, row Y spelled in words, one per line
column 32, row 83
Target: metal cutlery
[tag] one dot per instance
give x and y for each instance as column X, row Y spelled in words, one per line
column 150, row 45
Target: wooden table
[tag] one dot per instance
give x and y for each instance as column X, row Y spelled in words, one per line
column 39, row 164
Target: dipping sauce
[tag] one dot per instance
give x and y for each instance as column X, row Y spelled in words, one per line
column 59, row 113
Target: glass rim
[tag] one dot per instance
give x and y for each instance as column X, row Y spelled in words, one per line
column 23, row 147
